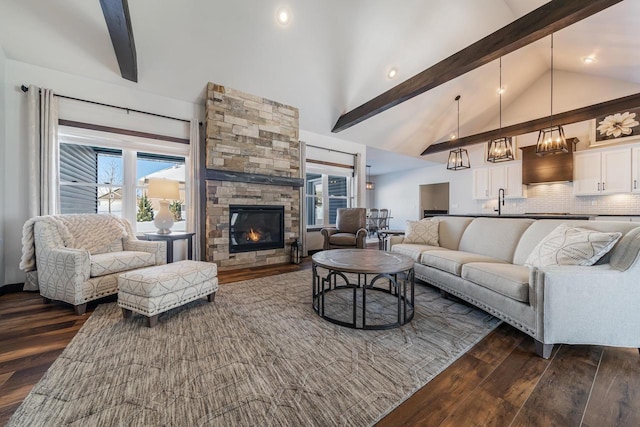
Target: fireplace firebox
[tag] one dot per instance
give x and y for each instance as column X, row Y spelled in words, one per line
column 255, row 228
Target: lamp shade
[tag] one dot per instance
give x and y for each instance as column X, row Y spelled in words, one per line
column 160, row 188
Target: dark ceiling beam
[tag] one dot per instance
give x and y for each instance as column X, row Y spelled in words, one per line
column 568, row 117
column 116, row 13
column 547, row 19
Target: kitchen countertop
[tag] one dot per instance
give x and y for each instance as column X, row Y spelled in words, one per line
column 532, row 216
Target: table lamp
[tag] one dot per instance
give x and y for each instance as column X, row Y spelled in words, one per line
column 165, row 190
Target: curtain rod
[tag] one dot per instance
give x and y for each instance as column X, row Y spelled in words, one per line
column 329, row 149
column 26, row 89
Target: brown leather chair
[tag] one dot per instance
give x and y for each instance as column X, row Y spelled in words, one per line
column 350, row 230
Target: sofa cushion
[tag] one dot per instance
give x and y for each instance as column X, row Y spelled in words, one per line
column 168, row 279
column 541, row 228
column 494, row 237
column 115, row 246
column 423, row 232
column 626, row 251
column 343, row 239
column 568, row 245
column 506, row 279
column 450, row 230
column 115, row 262
column 413, row 250
column 452, row 261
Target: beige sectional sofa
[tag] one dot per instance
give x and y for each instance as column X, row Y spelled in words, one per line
column 481, row 260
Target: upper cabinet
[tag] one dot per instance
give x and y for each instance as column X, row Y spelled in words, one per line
column 513, row 181
column 602, row 172
column 487, row 181
column 481, row 184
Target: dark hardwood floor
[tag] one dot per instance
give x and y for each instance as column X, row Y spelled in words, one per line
column 499, row 382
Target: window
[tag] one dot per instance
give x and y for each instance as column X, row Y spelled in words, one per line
column 111, row 175
column 325, row 194
column 158, row 166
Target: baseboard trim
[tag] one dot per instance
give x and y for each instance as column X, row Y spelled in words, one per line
column 10, row 289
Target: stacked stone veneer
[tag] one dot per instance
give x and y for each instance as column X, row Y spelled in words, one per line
column 249, row 134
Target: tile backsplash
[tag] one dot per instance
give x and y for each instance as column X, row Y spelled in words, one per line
column 559, row 198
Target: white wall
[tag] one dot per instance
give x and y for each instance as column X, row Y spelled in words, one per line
column 401, row 191
column 14, row 160
column 3, row 176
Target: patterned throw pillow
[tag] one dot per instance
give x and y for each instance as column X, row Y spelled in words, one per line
column 424, row 232
column 572, row 246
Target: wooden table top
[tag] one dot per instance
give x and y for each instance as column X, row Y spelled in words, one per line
column 363, row 261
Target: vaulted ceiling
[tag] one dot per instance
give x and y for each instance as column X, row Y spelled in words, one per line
column 333, row 56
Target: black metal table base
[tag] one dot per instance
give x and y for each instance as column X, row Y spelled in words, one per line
column 399, row 285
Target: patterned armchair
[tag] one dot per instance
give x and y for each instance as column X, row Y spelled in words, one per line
column 350, row 230
column 77, row 258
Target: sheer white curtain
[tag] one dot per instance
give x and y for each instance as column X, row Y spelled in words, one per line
column 44, row 153
column 303, row 199
column 193, row 198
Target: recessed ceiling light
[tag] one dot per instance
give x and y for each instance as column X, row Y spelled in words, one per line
column 283, row 16
column 589, row 59
column 501, row 90
column 392, row 73
column 452, row 136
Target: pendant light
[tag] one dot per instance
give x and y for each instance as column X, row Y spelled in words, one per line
column 458, row 158
column 551, row 140
column 370, row 184
column 500, row 149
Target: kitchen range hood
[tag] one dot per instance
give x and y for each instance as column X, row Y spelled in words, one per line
column 552, row 168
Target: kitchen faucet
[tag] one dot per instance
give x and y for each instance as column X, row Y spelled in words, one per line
column 500, row 198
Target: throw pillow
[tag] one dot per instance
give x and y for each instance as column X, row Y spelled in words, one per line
column 424, row 232
column 572, row 246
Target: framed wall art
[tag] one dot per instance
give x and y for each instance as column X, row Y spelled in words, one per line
column 616, row 127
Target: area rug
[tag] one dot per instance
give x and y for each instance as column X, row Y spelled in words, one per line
column 258, row 355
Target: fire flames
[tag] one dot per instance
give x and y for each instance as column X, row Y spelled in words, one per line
column 254, row 236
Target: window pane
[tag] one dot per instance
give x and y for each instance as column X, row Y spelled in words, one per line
column 110, row 199
column 82, row 168
column 314, row 191
column 314, row 211
column 334, row 205
column 337, row 186
column 144, row 212
column 313, row 179
column 157, row 166
column 110, row 167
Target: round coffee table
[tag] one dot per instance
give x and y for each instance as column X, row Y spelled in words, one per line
column 339, row 274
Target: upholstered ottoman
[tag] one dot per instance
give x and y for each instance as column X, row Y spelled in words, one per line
column 154, row 290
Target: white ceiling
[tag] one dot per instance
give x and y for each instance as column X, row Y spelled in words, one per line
column 332, row 57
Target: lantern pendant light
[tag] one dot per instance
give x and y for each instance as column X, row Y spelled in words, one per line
column 458, row 158
column 370, row 184
column 551, row 140
column 501, row 148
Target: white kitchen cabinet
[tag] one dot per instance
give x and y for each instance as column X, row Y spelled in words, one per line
column 602, row 172
column 616, row 171
column 487, row 181
column 635, row 170
column 513, row 181
column 481, row 183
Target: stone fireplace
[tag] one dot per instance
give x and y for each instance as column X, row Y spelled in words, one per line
column 252, row 171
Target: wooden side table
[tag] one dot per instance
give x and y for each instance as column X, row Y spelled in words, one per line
column 170, row 238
